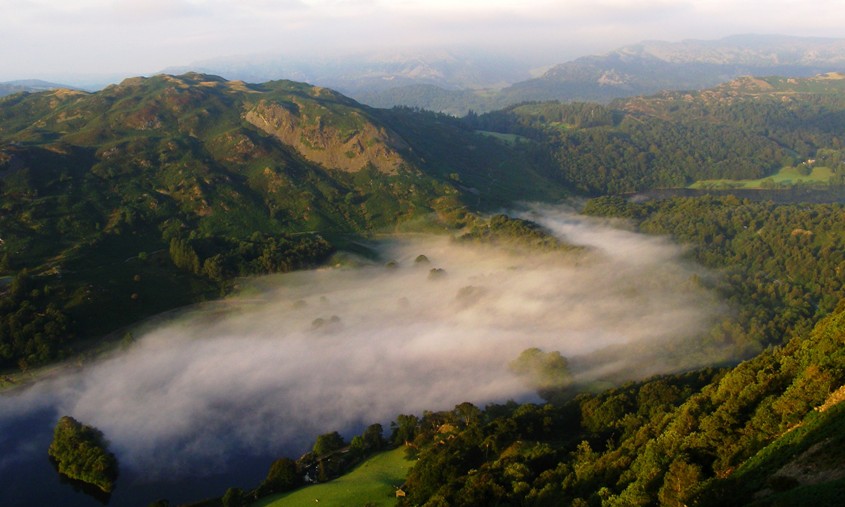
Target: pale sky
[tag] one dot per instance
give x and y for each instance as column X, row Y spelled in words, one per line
column 55, row 39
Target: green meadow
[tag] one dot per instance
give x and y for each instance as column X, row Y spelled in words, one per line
column 373, row 482
column 787, row 176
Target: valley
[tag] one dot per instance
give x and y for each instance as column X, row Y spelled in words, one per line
column 329, row 265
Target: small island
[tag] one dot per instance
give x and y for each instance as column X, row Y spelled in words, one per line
column 81, row 453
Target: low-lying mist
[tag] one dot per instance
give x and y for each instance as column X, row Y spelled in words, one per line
column 300, row 354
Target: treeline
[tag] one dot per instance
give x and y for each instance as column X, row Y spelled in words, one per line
column 33, row 330
column 504, row 231
column 221, row 258
column 804, row 122
column 674, row 139
column 781, row 264
column 670, row 440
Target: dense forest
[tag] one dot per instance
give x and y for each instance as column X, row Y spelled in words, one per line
column 745, row 129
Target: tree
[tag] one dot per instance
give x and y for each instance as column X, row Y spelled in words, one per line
column 282, row 476
column 328, row 442
column 404, row 429
column 467, row 413
column 679, row 483
column 234, row 497
column 373, row 438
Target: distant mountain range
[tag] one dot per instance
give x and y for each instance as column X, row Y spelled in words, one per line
column 29, row 85
column 455, row 82
column 652, row 66
column 373, row 72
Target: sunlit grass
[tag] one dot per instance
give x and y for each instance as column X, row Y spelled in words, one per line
column 508, row 138
column 785, row 177
column 373, row 482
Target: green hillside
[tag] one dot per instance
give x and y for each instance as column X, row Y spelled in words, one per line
column 373, row 482
column 158, row 192
column 747, row 129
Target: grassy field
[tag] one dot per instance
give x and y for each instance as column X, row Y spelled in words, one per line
column 784, row 177
column 508, row 138
column 373, row 482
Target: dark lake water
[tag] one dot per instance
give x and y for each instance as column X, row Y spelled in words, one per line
column 28, row 478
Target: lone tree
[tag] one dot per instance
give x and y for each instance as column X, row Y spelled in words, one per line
column 81, row 452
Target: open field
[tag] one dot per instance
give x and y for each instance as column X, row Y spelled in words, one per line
column 508, row 138
column 785, row 177
column 373, row 482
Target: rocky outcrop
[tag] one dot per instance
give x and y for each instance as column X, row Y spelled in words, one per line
column 348, row 142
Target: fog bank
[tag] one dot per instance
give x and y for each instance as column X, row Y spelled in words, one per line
column 305, row 353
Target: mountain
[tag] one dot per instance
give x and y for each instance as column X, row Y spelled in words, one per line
column 28, row 85
column 652, row 66
column 455, row 82
column 159, row 191
column 639, row 69
column 362, row 74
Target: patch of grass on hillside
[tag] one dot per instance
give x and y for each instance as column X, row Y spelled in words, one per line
column 373, row 482
column 508, row 138
column 785, row 177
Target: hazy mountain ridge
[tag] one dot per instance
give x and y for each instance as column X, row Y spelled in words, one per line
column 371, row 72
column 29, row 85
column 652, row 66
column 639, row 69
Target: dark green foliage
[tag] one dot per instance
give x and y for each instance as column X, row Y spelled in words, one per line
column 503, row 230
column 81, row 453
column 373, row 438
column 328, row 443
column 235, row 497
column 33, row 330
column 284, row 475
column 404, row 429
column 780, row 263
column 221, row 258
column 673, row 139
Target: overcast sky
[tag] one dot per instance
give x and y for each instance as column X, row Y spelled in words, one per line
column 62, row 38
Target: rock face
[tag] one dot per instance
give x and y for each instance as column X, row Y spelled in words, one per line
column 349, row 142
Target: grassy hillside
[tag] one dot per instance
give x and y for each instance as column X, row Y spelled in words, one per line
column 373, row 482
column 160, row 191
